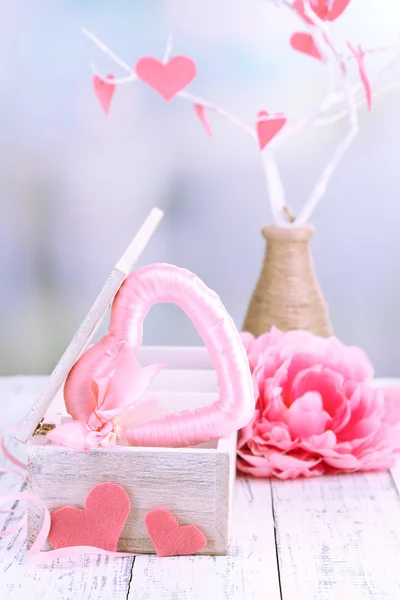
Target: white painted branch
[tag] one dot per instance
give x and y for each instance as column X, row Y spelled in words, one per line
column 275, row 188
column 321, row 185
column 168, row 49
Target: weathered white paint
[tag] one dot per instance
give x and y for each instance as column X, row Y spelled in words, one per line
column 248, row 572
column 338, row 537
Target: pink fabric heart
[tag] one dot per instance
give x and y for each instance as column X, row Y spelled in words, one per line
column 304, row 42
column 170, row 538
column 104, row 92
column 168, row 79
column 99, row 524
column 268, row 129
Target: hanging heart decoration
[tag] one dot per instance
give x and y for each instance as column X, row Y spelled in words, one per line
column 169, row 78
column 267, row 129
column 104, row 91
column 322, row 9
column 304, row 42
column 201, row 113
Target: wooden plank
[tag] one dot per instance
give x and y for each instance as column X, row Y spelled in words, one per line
column 396, row 475
column 249, row 572
column 85, row 578
column 338, row 537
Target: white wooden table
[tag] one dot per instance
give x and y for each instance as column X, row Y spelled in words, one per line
column 335, row 538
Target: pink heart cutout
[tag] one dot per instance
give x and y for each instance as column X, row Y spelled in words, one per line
column 170, row 538
column 166, row 78
column 104, row 92
column 268, row 129
column 99, row 524
column 320, row 7
column 201, row 113
column 304, row 42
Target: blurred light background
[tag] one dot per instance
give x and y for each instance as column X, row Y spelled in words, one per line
column 75, row 185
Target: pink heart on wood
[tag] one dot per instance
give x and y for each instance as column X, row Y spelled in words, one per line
column 170, row 538
column 99, row 524
column 268, row 129
column 166, row 78
column 104, row 92
column 304, row 42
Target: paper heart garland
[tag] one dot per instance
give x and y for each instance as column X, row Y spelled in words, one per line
column 268, row 129
column 99, row 524
column 170, row 538
column 304, row 42
column 166, row 78
column 104, row 92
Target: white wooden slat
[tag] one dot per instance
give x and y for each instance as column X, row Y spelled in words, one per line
column 81, row 578
column 249, row 572
column 396, row 475
column 338, row 537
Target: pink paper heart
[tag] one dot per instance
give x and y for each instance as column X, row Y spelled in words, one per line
column 104, row 92
column 268, row 129
column 166, row 78
column 304, row 42
column 170, row 538
column 321, row 9
column 99, row 524
column 201, row 113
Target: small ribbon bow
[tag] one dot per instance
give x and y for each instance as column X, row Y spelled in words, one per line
column 117, row 405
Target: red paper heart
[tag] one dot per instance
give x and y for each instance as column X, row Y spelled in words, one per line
column 99, row 524
column 304, row 42
column 320, row 7
column 104, row 92
column 170, row 538
column 268, row 129
column 166, row 78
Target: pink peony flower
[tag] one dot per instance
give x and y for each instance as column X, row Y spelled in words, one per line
column 316, row 409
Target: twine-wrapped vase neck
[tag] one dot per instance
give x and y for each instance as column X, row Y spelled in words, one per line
column 287, row 294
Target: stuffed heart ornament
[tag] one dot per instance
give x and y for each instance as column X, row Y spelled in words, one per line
column 140, row 291
column 166, row 78
column 170, row 538
column 99, row 524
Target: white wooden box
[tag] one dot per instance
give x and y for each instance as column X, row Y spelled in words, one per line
column 195, row 484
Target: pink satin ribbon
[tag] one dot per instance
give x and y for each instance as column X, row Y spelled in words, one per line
column 116, row 404
column 35, row 554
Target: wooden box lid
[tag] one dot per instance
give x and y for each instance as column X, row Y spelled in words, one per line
column 88, row 327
